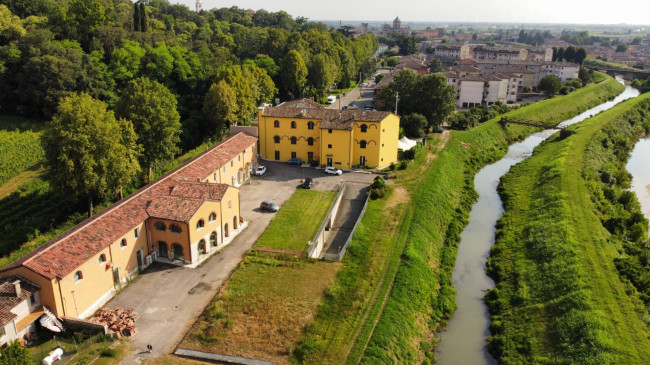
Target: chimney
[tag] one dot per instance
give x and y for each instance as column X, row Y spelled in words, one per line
column 17, row 287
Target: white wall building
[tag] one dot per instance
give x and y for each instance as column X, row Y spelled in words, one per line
column 20, row 307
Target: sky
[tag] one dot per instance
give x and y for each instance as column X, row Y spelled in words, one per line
column 501, row 11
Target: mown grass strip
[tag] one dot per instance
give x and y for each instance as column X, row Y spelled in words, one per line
column 559, row 298
column 297, row 222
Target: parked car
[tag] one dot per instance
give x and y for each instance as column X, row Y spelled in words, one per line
column 294, row 161
column 345, row 107
column 331, row 99
column 305, row 184
column 364, row 84
column 333, row 171
column 269, row 206
column 261, row 170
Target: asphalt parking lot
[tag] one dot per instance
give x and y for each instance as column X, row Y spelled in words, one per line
column 170, row 298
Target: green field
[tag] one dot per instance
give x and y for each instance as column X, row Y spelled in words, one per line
column 296, row 224
column 385, row 309
column 20, row 147
column 559, row 298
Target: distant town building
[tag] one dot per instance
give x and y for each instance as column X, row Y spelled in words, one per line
column 396, row 28
column 199, row 6
column 397, row 24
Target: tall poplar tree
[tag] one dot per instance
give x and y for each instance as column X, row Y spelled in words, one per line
column 294, row 73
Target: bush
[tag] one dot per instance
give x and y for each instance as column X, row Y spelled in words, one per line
column 377, row 193
column 108, row 353
column 403, row 165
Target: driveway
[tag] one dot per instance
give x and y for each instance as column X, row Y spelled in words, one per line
column 361, row 97
column 170, row 298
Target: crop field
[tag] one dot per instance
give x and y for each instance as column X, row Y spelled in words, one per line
column 563, row 294
column 19, row 146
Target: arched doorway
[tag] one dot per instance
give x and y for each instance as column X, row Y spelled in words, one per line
column 163, row 250
column 202, row 247
column 225, row 230
column 177, row 250
column 234, row 222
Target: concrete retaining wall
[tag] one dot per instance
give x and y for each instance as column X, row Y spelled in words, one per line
column 316, row 245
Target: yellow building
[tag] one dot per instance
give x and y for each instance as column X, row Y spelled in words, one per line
column 181, row 218
column 343, row 139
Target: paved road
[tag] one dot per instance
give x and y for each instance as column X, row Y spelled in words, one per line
column 361, row 97
column 352, row 202
column 170, row 298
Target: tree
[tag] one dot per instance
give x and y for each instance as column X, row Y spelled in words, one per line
column 580, row 55
column 584, row 75
column 294, row 73
column 87, row 152
column 144, row 18
column 621, row 48
column 560, row 54
column 570, row 53
column 321, row 74
column 15, row 354
column 11, row 29
column 220, row 107
column 414, row 125
column 392, row 62
column 435, row 65
column 234, row 77
column 261, row 84
column 554, row 54
column 550, row 85
column 152, row 109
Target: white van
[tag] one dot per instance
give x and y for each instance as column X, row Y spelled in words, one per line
column 331, row 99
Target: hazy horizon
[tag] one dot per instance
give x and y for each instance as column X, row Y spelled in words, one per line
column 596, row 12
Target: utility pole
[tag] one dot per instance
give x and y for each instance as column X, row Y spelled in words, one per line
column 396, row 101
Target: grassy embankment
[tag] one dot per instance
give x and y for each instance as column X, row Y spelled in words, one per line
column 605, row 64
column 271, row 295
column 395, row 288
column 32, row 214
column 568, row 218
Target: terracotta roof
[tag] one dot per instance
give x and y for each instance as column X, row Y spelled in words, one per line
column 464, row 68
column 8, row 298
column 301, row 103
column 174, row 208
column 472, row 78
column 65, row 253
column 199, row 190
column 516, row 69
column 467, row 61
column 330, row 118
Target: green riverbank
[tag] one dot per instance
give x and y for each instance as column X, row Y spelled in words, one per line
column 568, row 249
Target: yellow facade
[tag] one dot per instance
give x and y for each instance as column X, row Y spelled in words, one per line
column 309, row 139
column 235, row 171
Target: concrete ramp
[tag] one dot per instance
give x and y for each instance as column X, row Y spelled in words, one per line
column 350, row 210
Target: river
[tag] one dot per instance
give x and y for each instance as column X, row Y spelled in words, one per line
column 639, row 166
column 463, row 341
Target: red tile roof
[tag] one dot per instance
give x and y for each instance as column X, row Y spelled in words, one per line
column 200, row 190
column 8, row 298
column 65, row 253
column 174, row 208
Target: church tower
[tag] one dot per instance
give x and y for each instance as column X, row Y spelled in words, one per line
column 397, row 24
column 199, row 6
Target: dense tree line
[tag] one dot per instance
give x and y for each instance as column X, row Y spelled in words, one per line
column 50, row 49
column 570, row 54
